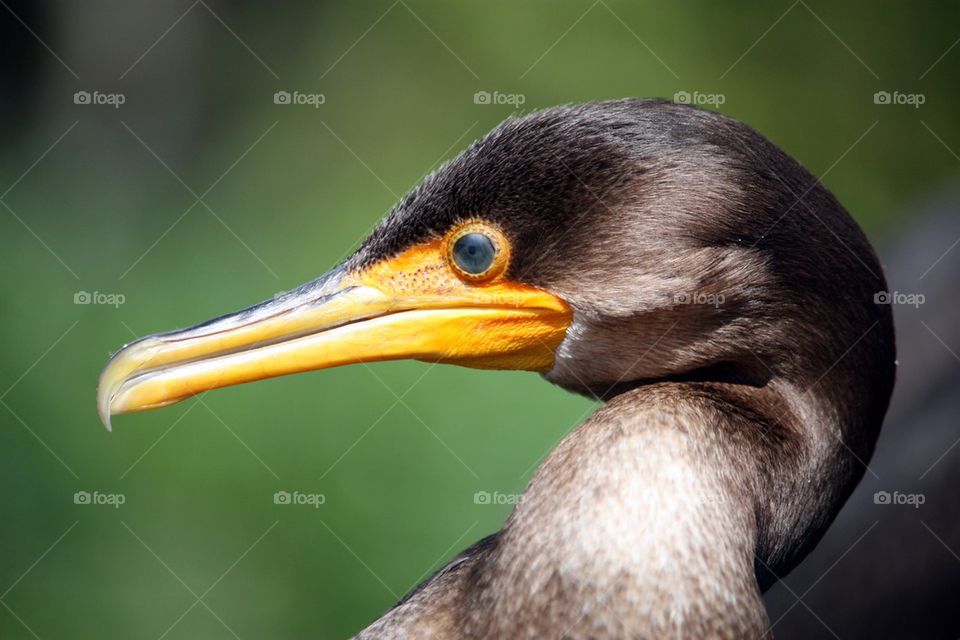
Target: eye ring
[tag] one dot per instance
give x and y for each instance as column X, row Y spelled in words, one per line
column 478, row 252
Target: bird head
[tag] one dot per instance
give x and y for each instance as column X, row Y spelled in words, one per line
column 600, row 245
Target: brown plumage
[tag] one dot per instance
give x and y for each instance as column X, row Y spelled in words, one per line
column 735, row 427
column 689, row 273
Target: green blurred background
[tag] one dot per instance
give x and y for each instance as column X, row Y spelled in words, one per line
column 105, row 199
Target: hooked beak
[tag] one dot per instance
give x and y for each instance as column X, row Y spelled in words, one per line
column 405, row 307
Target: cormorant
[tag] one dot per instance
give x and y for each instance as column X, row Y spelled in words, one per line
column 667, row 259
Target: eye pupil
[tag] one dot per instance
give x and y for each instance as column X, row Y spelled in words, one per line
column 474, row 253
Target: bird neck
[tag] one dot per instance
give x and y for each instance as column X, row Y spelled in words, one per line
column 641, row 523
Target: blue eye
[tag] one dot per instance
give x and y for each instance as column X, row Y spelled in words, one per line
column 474, row 253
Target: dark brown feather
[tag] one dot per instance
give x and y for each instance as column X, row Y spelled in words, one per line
column 734, row 429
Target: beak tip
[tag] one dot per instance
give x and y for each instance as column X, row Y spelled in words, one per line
column 103, row 410
column 105, row 394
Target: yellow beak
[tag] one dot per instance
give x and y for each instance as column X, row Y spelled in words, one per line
column 410, row 306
